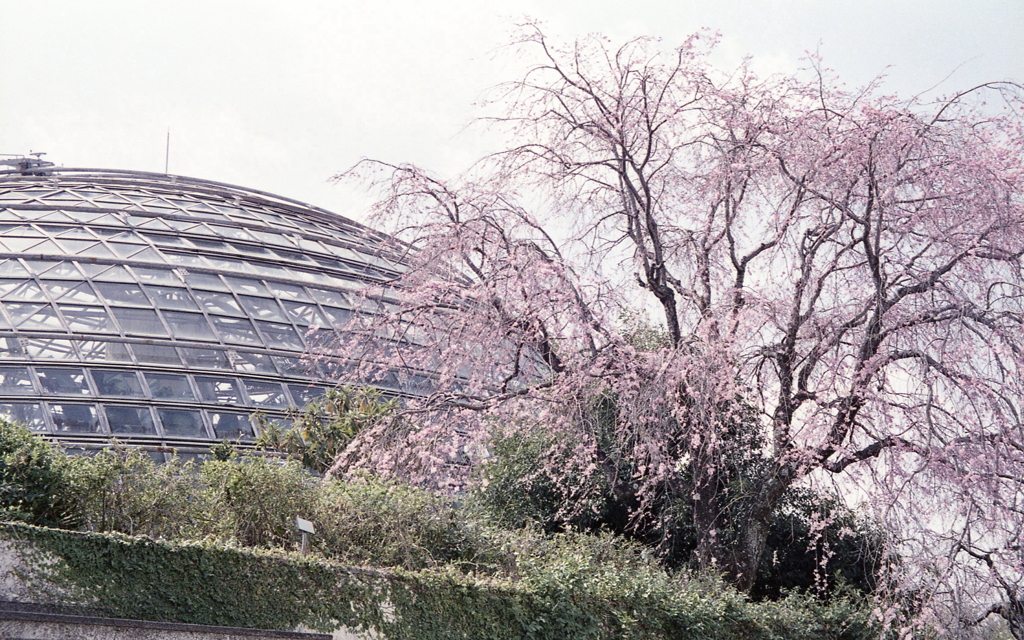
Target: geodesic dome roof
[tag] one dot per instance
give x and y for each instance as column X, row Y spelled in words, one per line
column 164, row 310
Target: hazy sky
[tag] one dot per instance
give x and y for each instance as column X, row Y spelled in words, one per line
column 279, row 96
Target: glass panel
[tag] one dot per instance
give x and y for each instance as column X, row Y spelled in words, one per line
column 252, row 362
column 33, row 316
column 172, row 298
column 169, row 386
column 233, row 426
column 155, row 354
column 339, row 317
column 12, row 269
column 247, row 286
column 49, row 349
column 219, row 390
column 219, row 303
column 290, row 292
column 186, row 259
column 123, row 294
column 24, row 413
column 157, row 276
column 295, row 366
column 265, row 394
column 332, row 298
column 10, row 348
column 306, row 314
column 55, row 270
column 263, row 308
column 181, row 422
column 94, row 350
column 15, row 381
column 139, row 321
column 206, row 358
column 80, row 292
column 280, row 336
column 63, row 382
column 107, row 274
column 322, row 339
column 236, row 330
column 135, row 420
column 8, row 285
column 27, row 291
column 305, row 395
column 76, row 418
column 117, row 383
column 189, row 326
column 87, row 319
column 205, row 281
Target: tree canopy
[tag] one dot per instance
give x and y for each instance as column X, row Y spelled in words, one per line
column 838, row 274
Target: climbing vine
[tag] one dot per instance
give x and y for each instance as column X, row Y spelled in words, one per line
column 142, row 578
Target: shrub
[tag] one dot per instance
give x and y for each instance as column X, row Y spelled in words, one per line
column 35, row 479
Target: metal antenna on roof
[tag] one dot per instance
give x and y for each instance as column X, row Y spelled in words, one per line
column 167, row 153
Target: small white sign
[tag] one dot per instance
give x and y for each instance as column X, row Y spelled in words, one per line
column 304, row 525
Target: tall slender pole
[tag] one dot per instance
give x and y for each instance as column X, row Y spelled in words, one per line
column 167, row 153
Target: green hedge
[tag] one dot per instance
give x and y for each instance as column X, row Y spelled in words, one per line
column 141, row 578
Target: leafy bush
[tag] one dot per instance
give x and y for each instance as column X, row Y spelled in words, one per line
column 123, row 490
column 36, row 485
column 324, row 428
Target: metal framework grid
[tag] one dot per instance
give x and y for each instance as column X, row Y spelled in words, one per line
column 164, row 310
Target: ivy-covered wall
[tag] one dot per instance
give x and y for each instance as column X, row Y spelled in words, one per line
column 141, row 578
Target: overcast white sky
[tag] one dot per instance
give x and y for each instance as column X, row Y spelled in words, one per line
column 279, row 96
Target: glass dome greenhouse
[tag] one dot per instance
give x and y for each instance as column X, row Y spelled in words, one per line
column 164, row 311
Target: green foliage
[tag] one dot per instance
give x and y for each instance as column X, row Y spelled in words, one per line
column 815, row 544
column 324, row 428
column 257, row 498
column 123, row 490
column 36, row 485
column 567, row 587
column 390, row 524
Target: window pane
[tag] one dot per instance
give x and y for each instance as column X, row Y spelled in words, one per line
column 233, row 426
column 104, row 351
column 306, row 314
column 172, row 298
column 24, row 413
column 290, row 292
column 236, row 330
column 80, row 292
column 15, row 381
column 169, row 386
column 76, row 418
column 10, row 348
column 157, row 276
column 265, row 394
column 117, row 383
column 189, row 326
column 219, row 303
column 118, row 293
column 252, row 362
column 27, row 291
column 205, row 281
column 87, row 319
column 305, row 395
column 139, row 321
column 263, row 308
column 219, row 390
column 46, row 349
column 181, row 422
column 33, row 316
column 332, row 298
column 135, row 420
column 339, row 317
column 155, row 354
column 247, row 286
column 280, row 336
column 63, row 381
column 295, row 366
column 206, row 358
